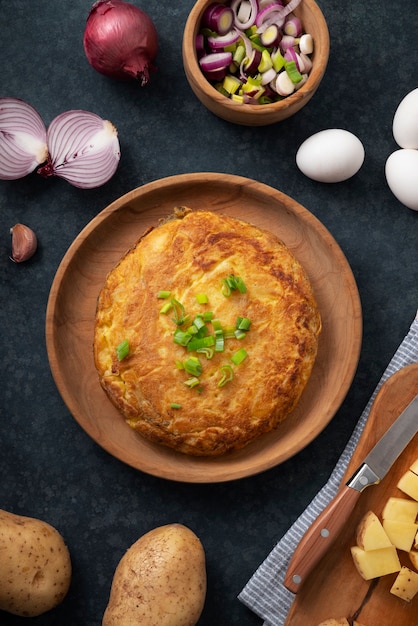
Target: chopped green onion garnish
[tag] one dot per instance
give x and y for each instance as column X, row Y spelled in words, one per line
column 193, row 366
column 200, row 342
column 175, row 405
column 207, row 316
column 166, row 308
column 227, row 375
column 217, row 325
column 198, row 322
column 226, row 289
column 219, row 342
column 122, row 350
column 239, row 356
column 240, row 284
column 180, row 365
column 202, row 298
column 208, row 352
column 163, row 294
column 232, row 283
column 243, row 323
column 179, row 317
column 192, row 382
column 181, row 337
column 239, row 334
column 229, row 332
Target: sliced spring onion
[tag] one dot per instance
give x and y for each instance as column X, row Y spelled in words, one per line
column 239, row 356
column 208, row 352
column 243, row 323
column 192, row 382
column 197, row 343
column 181, row 337
column 239, row 334
column 219, row 342
column 227, row 375
column 163, row 294
column 179, row 312
column 175, row 405
column 202, row 298
column 198, row 323
column 122, row 350
column 229, row 332
column 167, row 306
column 233, row 283
column 193, row 366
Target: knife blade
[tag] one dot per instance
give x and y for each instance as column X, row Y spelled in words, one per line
column 325, row 529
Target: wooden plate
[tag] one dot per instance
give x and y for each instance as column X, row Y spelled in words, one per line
column 81, row 275
column 335, row 589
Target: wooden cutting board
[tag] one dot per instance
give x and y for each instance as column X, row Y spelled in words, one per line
column 334, row 588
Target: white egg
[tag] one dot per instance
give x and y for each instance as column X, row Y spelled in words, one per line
column 402, row 176
column 405, row 121
column 330, row 156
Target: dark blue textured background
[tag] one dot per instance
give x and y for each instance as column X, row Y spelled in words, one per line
column 49, row 468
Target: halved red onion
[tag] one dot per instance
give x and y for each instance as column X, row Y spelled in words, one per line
column 22, row 139
column 215, row 61
column 83, row 148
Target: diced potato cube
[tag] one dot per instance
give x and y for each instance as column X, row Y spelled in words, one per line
column 371, row 534
column 400, row 509
column 414, row 467
column 375, row 563
column 408, row 483
column 406, row 584
column 413, row 557
column 401, row 534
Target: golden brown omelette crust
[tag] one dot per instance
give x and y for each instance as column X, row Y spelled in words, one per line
column 188, row 255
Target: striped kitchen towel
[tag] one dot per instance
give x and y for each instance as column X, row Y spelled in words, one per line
column 265, row 593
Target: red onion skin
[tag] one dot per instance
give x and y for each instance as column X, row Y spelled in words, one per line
column 120, row 41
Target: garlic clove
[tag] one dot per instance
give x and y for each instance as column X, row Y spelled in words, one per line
column 24, row 243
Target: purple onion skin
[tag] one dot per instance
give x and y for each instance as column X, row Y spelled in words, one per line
column 120, row 41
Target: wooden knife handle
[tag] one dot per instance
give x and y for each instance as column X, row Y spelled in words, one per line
column 319, row 537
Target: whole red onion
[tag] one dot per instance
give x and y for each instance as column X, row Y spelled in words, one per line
column 120, row 41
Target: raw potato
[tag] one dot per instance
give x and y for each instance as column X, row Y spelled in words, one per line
column 35, row 565
column 400, row 509
column 161, row 580
column 406, row 584
column 408, row 483
column 413, row 556
column 375, row 563
column 370, row 533
column 401, row 534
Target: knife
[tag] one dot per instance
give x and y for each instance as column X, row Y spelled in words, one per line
column 325, row 529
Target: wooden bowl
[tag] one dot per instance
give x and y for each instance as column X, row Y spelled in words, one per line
column 73, row 297
column 313, row 22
